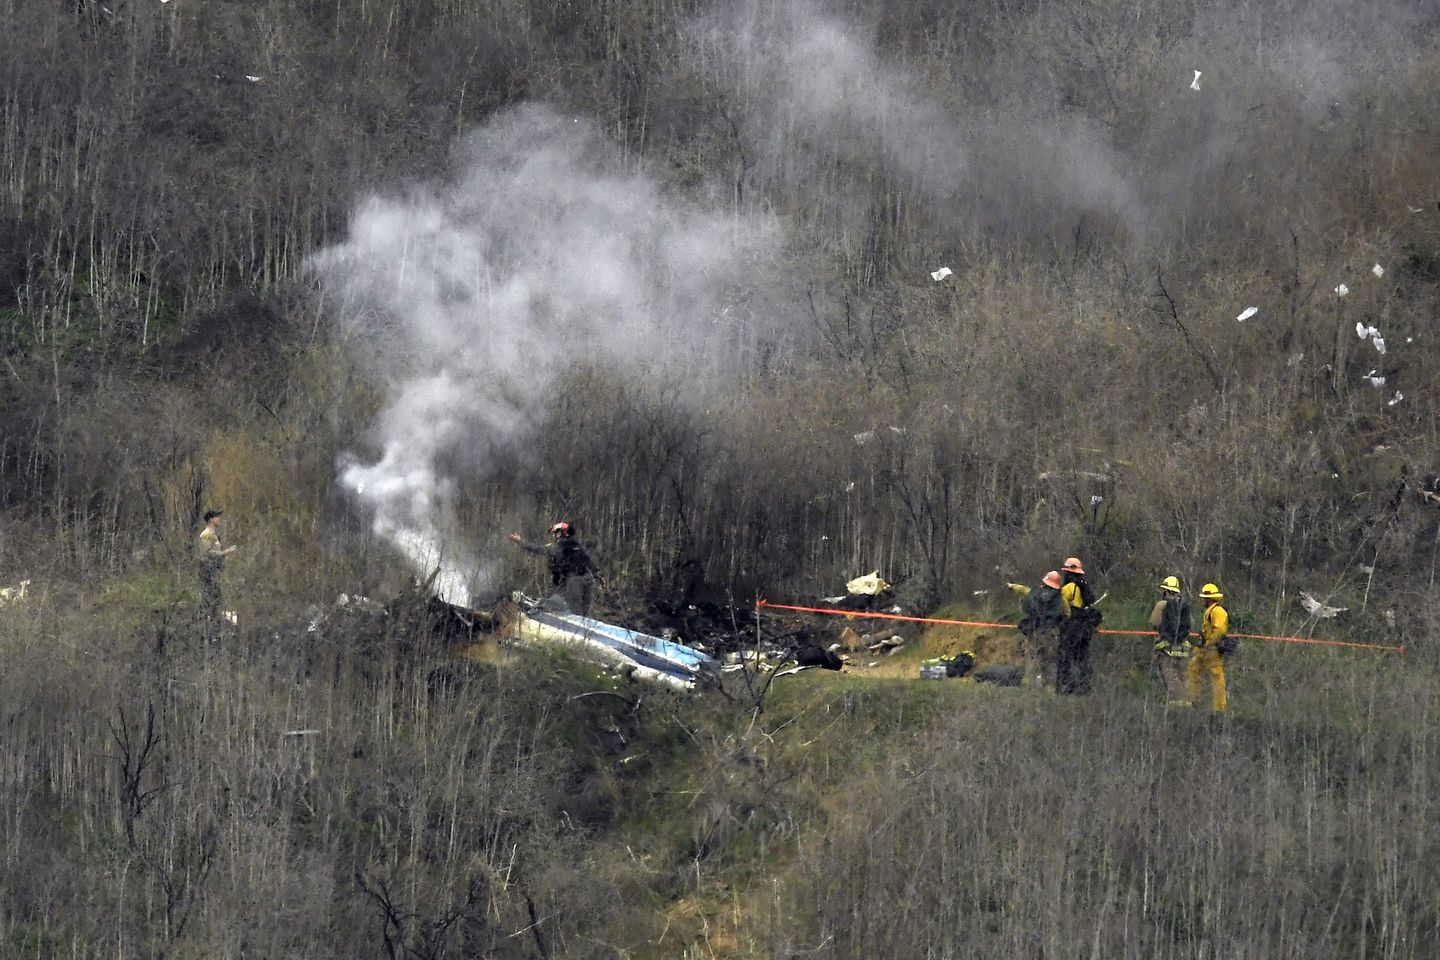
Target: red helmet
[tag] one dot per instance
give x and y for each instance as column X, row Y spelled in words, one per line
column 562, row 529
column 1052, row 579
column 1073, row 565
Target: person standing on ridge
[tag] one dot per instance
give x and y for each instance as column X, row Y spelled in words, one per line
column 1215, row 645
column 1171, row 619
column 572, row 572
column 1074, row 672
column 211, row 553
column 1044, row 610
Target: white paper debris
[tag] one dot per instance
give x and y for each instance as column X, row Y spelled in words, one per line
column 1195, row 84
column 1378, row 270
column 252, row 79
column 1095, row 499
column 940, row 274
column 1374, row 380
column 864, row 438
column 1379, row 344
column 850, row 486
column 1395, row 399
column 1341, row 290
column 1362, row 331
column 1294, row 359
column 1247, row 313
column 1315, row 607
column 1414, row 209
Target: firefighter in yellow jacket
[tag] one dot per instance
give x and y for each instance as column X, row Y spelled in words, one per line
column 1215, row 645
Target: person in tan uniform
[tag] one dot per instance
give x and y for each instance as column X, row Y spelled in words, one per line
column 211, row 553
column 1170, row 618
column 1215, row 645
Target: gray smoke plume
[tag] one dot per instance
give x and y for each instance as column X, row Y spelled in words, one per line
column 821, row 101
column 472, row 297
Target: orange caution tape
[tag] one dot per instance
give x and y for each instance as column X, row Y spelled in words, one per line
column 831, row 611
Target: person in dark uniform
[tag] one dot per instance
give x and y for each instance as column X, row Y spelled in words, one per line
column 1074, row 673
column 572, row 573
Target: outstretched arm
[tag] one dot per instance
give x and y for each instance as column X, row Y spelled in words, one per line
column 525, row 545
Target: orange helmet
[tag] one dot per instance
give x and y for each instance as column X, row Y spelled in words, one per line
column 562, row 529
column 1073, row 565
column 1052, row 579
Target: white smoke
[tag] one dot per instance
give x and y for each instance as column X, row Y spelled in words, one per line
column 473, row 297
column 819, row 97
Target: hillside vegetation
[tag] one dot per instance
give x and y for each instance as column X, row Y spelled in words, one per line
column 388, row 280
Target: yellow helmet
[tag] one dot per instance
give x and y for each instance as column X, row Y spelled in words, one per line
column 1170, row 583
column 1211, row 592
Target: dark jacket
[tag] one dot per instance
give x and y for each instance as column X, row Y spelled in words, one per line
column 1043, row 607
column 1175, row 623
column 565, row 557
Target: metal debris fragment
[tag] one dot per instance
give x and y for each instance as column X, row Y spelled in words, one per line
column 941, row 274
column 1247, row 313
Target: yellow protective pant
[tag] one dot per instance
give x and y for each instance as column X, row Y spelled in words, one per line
column 1207, row 660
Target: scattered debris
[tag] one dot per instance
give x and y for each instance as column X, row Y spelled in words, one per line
column 1389, row 616
column 941, row 274
column 1195, row 84
column 15, row 594
column 889, row 644
column 1294, row 359
column 1096, row 499
column 1364, row 331
column 1247, row 313
column 1378, row 270
column 231, row 617
column 310, row 732
column 869, row 585
column 1316, row 608
column 864, row 438
column 1341, row 290
column 1374, row 380
column 1368, row 570
column 1395, row 399
column 253, row 79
